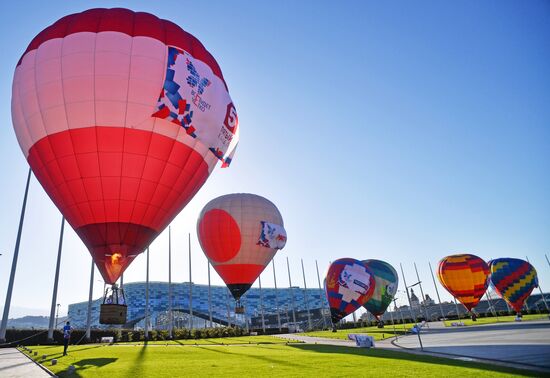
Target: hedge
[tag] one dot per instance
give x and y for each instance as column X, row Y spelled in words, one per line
column 37, row 337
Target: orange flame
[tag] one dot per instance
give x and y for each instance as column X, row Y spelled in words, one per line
column 115, row 257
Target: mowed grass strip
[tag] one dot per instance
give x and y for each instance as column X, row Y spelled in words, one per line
column 501, row 319
column 240, row 340
column 274, row 360
column 377, row 333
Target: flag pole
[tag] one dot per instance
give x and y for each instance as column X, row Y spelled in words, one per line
column 291, row 293
column 276, row 297
column 437, row 292
column 90, row 299
column 170, row 321
column 305, row 297
column 209, row 297
column 7, row 304
column 190, row 288
column 261, row 303
column 320, row 294
column 56, row 281
column 146, row 334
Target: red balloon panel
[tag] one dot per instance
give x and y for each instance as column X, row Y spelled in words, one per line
column 115, row 196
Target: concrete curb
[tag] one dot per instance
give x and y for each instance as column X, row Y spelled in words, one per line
column 38, row 364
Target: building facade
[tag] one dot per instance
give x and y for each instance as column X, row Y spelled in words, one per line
column 285, row 304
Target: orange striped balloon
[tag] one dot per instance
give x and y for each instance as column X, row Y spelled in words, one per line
column 465, row 276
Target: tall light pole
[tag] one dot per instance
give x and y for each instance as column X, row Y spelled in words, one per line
column 56, row 280
column 407, row 292
column 7, row 304
column 422, row 305
column 410, row 304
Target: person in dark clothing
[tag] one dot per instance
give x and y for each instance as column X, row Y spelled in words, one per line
column 66, row 337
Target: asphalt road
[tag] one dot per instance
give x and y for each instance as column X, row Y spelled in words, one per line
column 525, row 344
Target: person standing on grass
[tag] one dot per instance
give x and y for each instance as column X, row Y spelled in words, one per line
column 66, row 337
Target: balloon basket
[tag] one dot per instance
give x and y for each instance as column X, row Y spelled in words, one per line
column 113, row 310
column 113, row 314
column 239, row 309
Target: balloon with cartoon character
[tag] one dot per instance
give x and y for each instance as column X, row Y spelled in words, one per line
column 386, row 285
column 349, row 284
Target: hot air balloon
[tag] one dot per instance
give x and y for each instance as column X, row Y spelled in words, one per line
column 240, row 234
column 119, row 160
column 514, row 280
column 465, row 276
column 349, row 284
column 386, row 283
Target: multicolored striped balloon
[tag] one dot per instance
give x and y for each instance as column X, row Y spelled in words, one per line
column 387, row 281
column 514, row 280
column 465, row 276
column 349, row 284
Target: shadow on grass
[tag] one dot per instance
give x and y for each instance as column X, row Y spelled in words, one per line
column 396, row 355
column 86, row 364
column 135, row 371
column 240, row 355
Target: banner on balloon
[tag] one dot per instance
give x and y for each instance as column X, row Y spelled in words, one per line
column 194, row 98
column 272, row 236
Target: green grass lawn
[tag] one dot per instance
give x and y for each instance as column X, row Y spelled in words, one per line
column 501, row 319
column 377, row 333
column 274, row 360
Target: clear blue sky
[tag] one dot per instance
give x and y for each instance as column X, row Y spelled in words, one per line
column 404, row 131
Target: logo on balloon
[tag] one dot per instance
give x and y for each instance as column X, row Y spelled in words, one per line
column 194, row 79
column 349, row 279
column 200, row 83
column 391, row 289
column 231, row 120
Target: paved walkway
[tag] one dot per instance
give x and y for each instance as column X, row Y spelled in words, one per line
column 14, row 364
column 524, row 344
column 521, row 345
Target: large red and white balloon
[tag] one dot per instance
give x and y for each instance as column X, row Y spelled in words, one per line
column 240, row 234
column 119, row 160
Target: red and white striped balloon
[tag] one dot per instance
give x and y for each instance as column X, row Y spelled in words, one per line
column 84, row 93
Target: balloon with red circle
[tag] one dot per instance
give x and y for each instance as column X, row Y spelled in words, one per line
column 239, row 234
